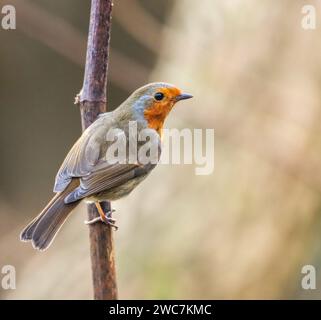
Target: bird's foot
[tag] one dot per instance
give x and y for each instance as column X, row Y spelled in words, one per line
column 103, row 217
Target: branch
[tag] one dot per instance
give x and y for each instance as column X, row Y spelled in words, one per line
column 92, row 101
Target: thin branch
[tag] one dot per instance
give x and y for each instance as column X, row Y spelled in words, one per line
column 92, row 101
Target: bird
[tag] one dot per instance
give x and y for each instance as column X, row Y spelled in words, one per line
column 87, row 172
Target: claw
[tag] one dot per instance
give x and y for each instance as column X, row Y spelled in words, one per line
column 107, row 220
column 109, row 213
column 103, row 217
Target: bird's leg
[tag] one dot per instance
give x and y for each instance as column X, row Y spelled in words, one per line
column 103, row 217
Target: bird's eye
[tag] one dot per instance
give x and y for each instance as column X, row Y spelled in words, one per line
column 159, row 96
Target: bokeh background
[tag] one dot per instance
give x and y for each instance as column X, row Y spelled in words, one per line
column 243, row 232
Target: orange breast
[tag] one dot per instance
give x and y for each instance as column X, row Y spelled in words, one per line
column 156, row 115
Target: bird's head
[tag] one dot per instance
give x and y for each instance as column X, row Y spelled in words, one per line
column 154, row 101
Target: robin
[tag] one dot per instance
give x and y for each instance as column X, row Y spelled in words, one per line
column 87, row 173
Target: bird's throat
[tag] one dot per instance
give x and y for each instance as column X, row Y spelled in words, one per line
column 156, row 115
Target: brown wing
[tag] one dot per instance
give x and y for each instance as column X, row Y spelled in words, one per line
column 107, row 178
column 86, row 161
column 85, row 155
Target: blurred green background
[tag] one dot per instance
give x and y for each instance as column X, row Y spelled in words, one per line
column 243, row 232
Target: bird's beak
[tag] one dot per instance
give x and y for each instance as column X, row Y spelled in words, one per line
column 183, row 96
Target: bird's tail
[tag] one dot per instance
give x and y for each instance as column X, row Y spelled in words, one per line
column 42, row 230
